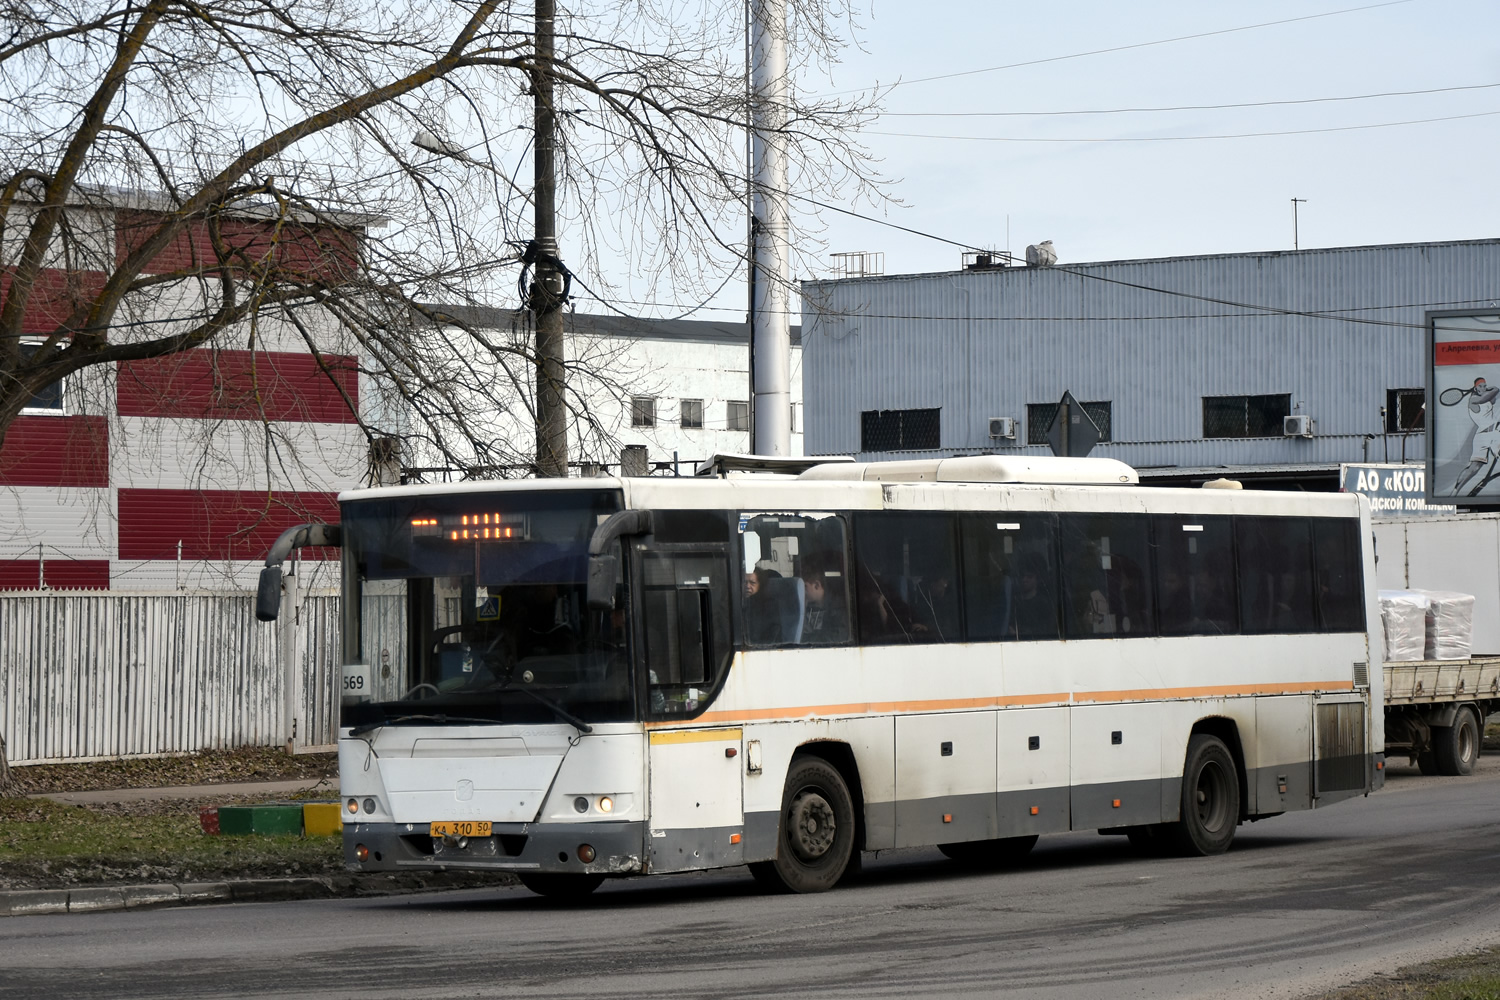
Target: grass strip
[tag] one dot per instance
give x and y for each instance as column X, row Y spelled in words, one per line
column 45, row 844
column 1475, row 976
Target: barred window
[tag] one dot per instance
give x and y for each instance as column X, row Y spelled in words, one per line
column 900, row 430
column 1245, row 416
column 1405, row 410
column 692, row 413
column 738, row 416
column 1039, row 417
column 642, row 411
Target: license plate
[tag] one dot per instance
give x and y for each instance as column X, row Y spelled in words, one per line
column 460, row 828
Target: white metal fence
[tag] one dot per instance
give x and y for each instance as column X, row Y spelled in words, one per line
column 88, row 675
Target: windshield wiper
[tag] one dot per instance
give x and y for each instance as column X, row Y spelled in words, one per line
column 562, row 713
column 440, row 718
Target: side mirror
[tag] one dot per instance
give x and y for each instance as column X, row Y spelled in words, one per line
column 268, row 594
column 604, row 571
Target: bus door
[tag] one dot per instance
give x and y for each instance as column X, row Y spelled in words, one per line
column 694, row 770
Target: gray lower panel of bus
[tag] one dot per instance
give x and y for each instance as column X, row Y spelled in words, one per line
column 689, row 850
column 511, row 847
column 629, row 848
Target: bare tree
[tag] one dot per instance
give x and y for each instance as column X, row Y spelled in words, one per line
column 181, row 174
column 185, row 174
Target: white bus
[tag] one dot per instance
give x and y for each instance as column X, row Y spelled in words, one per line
column 572, row 680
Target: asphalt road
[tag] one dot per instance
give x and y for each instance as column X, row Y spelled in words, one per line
column 1301, row 903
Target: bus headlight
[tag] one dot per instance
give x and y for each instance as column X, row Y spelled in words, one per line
column 606, row 804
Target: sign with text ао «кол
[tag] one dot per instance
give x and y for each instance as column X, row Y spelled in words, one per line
column 1394, row 490
column 1463, row 408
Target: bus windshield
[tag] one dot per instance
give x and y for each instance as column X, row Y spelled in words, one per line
column 472, row 608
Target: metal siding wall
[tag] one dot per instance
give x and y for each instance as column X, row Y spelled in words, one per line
column 987, row 343
column 98, row 676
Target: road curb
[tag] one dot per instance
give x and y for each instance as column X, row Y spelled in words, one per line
column 100, row 899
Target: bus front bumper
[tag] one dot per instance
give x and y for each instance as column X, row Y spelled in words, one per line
column 616, row 848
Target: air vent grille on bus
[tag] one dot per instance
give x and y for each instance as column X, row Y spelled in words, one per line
column 1341, row 746
column 1361, row 675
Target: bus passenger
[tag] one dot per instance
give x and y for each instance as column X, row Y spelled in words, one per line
column 825, row 618
column 1034, row 611
column 763, row 611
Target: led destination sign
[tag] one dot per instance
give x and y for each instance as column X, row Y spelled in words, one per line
column 484, row 527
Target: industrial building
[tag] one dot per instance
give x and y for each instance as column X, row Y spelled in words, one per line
column 1272, row 367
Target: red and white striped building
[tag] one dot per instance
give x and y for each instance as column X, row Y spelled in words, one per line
column 179, row 472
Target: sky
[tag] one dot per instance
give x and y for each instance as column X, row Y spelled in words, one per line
column 1126, row 185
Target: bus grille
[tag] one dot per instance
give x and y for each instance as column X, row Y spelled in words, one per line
column 1341, row 747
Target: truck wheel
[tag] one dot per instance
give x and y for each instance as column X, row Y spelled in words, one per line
column 1457, row 746
column 1427, row 760
column 1210, row 799
column 816, row 836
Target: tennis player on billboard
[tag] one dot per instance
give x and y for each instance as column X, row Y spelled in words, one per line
column 1465, row 430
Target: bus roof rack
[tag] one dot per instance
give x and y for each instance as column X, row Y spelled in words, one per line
column 985, row 469
column 723, row 463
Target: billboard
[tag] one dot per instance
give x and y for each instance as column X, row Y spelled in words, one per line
column 1463, row 418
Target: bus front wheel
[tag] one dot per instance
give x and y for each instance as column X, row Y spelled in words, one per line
column 1210, row 799
column 815, row 839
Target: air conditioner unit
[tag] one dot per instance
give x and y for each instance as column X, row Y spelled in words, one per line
column 1003, row 427
column 1297, row 425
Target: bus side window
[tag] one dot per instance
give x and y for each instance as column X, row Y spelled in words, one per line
column 1340, row 581
column 1195, row 582
column 1276, row 574
column 1010, row 576
column 796, row 581
column 906, row 570
column 1107, row 588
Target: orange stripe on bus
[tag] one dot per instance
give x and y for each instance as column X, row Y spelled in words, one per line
column 1009, row 701
column 1222, row 690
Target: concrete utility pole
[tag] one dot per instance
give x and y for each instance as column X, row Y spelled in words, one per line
column 770, row 352
column 547, row 286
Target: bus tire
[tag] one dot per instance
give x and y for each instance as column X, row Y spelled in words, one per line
column 561, row 885
column 990, row 853
column 1210, row 799
column 815, row 838
column 1456, row 747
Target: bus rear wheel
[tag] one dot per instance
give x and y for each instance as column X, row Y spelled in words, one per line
column 815, row 839
column 990, row 853
column 1210, row 799
column 561, row 885
column 1456, row 747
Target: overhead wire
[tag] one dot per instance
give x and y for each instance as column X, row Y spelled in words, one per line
column 1185, row 107
column 1182, row 138
column 1125, row 48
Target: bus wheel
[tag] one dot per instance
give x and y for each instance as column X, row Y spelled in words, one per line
column 816, row 836
column 1456, row 747
column 990, row 853
column 1210, row 799
column 561, row 885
